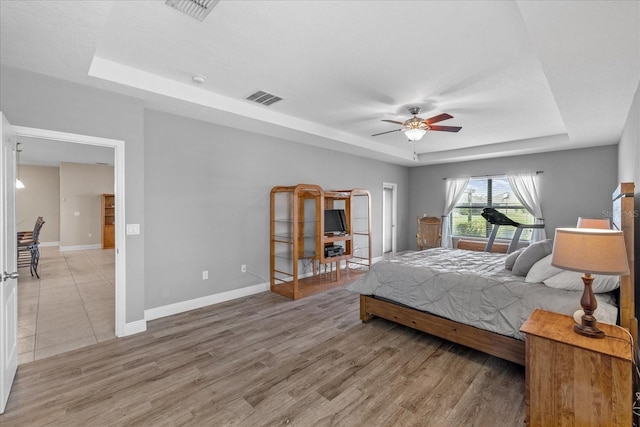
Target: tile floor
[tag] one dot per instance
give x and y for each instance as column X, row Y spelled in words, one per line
column 72, row 305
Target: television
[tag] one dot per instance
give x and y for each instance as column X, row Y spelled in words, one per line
column 335, row 221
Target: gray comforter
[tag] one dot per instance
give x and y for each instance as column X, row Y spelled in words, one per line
column 471, row 288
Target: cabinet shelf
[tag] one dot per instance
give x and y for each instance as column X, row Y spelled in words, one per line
column 108, row 220
column 297, row 223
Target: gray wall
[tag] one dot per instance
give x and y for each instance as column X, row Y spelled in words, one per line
column 40, row 197
column 629, row 171
column 34, row 100
column 81, row 190
column 574, row 183
column 207, row 201
column 629, row 151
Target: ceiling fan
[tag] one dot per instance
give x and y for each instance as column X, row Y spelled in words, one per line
column 415, row 127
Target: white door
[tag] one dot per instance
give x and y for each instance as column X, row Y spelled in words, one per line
column 389, row 218
column 8, row 264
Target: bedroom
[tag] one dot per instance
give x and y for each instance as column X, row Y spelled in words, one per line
column 177, row 180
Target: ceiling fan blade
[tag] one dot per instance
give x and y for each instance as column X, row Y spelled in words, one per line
column 438, row 118
column 382, row 133
column 393, row 121
column 446, row 128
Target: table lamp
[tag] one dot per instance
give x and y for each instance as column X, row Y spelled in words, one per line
column 602, row 223
column 590, row 250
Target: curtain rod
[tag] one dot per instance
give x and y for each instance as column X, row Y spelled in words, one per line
column 496, row 174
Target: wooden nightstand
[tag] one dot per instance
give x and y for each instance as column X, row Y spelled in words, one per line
column 572, row 380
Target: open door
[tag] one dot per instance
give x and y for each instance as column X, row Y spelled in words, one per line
column 8, row 264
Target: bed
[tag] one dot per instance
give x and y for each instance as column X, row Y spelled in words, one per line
column 470, row 298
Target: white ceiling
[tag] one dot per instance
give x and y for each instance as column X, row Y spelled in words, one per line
column 519, row 77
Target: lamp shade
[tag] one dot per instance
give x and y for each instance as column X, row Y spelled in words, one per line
column 590, row 250
column 415, row 134
column 601, row 223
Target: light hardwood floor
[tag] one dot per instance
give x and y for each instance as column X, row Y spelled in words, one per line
column 72, row 305
column 267, row 360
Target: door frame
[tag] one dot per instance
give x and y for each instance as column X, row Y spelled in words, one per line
column 394, row 215
column 119, row 191
column 9, row 261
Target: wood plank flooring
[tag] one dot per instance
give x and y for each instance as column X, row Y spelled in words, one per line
column 266, row 360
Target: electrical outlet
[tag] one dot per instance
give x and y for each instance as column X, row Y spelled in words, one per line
column 243, row 268
column 205, row 275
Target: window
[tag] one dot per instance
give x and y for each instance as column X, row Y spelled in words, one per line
column 466, row 219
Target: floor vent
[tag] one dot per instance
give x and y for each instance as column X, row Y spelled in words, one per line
column 264, row 98
column 198, row 9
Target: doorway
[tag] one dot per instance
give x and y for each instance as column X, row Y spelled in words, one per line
column 119, row 191
column 389, row 209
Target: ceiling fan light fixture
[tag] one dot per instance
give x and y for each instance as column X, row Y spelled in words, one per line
column 415, row 134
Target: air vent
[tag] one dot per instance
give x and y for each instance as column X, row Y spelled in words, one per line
column 198, row 9
column 264, row 98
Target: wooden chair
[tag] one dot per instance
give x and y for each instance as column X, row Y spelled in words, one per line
column 429, row 232
column 28, row 250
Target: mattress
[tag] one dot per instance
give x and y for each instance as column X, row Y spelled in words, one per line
column 472, row 288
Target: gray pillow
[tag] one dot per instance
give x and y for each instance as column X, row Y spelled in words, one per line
column 511, row 259
column 531, row 254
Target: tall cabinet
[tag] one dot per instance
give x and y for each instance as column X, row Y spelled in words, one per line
column 108, row 219
column 305, row 258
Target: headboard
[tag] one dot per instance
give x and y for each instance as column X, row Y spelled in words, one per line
column 623, row 218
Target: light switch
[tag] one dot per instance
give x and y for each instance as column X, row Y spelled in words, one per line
column 76, row 213
column 133, row 228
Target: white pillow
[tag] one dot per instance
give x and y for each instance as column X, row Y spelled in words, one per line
column 542, row 270
column 572, row 281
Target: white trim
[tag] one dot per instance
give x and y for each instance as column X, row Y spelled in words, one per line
column 47, row 244
column 377, row 259
column 181, row 307
column 134, row 327
column 119, row 191
column 78, row 247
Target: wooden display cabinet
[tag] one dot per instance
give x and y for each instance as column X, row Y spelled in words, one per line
column 299, row 265
column 108, row 219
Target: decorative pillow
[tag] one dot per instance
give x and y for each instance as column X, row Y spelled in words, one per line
column 542, row 270
column 572, row 281
column 511, row 259
column 532, row 254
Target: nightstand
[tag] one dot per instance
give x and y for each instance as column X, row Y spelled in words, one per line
column 573, row 380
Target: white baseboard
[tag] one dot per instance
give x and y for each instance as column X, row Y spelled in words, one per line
column 181, row 307
column 134, row 328
column 80, row 247
column 43, row 244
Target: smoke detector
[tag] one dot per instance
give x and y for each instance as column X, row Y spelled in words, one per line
column 198, row 9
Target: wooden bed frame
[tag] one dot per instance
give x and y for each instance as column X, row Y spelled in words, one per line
column 501, row 346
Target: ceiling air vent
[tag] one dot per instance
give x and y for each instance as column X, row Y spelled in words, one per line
column 198, row 9
column 264, row 98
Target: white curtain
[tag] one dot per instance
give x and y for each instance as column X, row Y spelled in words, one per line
column 454, row 190
column 525, row 187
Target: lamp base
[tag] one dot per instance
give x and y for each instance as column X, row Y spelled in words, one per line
column 588, row 331
column 589, row 304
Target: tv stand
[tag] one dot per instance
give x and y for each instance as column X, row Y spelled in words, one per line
column 304, row 258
